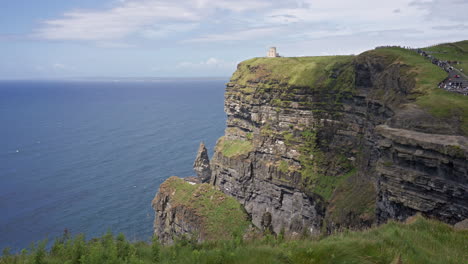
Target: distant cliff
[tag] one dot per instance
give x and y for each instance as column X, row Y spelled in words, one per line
column 315, row 144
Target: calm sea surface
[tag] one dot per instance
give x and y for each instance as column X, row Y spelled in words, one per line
column 90, row 157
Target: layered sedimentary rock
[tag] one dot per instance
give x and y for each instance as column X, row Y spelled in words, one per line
column 421, row 172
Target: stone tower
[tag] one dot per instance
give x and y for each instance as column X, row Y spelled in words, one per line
column 272, row 53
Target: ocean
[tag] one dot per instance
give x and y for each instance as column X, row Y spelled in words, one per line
column 89, row 156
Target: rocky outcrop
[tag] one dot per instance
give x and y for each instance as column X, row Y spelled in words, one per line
column 463, row 225
column 197, row 212
column 202, row 164
column 173, row 220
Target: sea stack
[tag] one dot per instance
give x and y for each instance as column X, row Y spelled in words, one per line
column 202, row 164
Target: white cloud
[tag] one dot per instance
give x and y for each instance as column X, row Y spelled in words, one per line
column 451, row 27
column 156, row 33
column 115, row 23
column 247, row 34
column 114, row 44
column 279, row 21
column 237, row 6
column 452, row 10
column 150, row 17
column 211, row 63
column 59, row 66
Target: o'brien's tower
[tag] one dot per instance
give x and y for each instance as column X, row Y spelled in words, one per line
column 272, row 53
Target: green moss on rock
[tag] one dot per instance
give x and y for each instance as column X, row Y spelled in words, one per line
column 222, row 215
column 232, row 148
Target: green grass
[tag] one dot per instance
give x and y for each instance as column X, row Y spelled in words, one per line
column 232, row 148
column 437, row 102
column 426, row 74
column 421, row 241
column 293, row 72
column 457, row 51
column 222, row 215
column 283, row 166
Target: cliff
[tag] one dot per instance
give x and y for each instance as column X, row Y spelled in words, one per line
column 315, row 144
column 320, row 143
column 197, row 211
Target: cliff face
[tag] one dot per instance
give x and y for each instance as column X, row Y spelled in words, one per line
column 196, row 211
column 422, row 172
column 317, row 144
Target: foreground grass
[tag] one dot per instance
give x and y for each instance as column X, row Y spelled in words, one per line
column 422, row 241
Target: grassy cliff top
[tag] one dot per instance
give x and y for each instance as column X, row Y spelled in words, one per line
column 457, row 51
column 437, row 102
column 222, row 215
column 297, row 71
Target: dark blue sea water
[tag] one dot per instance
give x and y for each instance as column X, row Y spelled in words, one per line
column 90, row 157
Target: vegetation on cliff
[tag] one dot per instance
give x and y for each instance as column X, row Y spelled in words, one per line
column 231, row 148
column 418, row 241
column 222, row 216
column 456, row 51
column 293, row 72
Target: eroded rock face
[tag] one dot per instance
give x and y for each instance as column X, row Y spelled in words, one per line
column 202, row 164
column 173, row 220
column 421, row 172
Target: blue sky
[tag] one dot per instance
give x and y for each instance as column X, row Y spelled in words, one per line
column 200, row 38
